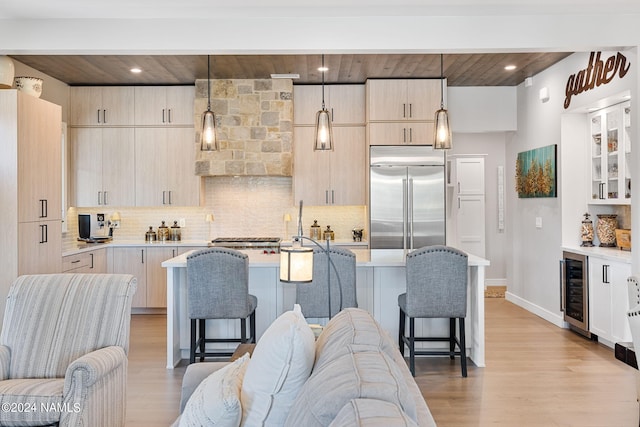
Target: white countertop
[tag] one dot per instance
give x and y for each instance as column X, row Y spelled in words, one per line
column 364, row 258
column 86, row 247
column 612, row 254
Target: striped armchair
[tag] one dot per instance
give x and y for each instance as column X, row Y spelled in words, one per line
column 63, row 350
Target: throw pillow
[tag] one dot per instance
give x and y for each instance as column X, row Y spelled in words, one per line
column 216, row 400
column 280, row 365
column 372, row 413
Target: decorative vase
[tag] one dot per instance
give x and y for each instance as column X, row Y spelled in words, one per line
column 586, row 231
column 7, row 71
column 606, row 230
column 29, row 85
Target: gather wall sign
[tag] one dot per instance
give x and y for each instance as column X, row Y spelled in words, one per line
column 598, row 72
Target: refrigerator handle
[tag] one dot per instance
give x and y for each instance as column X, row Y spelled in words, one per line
column 410, row 212
column 404, row 213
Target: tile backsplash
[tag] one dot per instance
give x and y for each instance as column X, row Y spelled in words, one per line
column 242, row 206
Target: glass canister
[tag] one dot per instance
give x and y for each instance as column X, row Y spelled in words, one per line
column 606, row 229
column 175, row 231
column 163, row 232
column 315, row 231
column 150, row 236
column 328, row 234
column 586, row 230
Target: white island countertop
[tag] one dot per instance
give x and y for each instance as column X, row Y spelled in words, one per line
column 364, row 258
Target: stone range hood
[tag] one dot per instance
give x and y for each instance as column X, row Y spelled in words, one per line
column 255, row 127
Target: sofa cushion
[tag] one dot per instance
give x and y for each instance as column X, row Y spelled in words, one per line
column 280, row 366
column 351, row 326
column 372, row 413
column 31, row 402
column 216, row 400
column 363, row 371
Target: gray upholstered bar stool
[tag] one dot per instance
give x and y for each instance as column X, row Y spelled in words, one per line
column 218, row 288
column 313, row 297
column 436, row 288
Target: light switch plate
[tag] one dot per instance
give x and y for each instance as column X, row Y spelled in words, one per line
column 538, row 222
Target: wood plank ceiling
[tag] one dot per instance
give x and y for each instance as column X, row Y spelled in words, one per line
column 460, row 69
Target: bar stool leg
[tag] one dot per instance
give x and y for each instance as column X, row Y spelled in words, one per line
column 412, row 349
column 401, row 332
column 463, row 348
column 192, row 349
column 452, row 337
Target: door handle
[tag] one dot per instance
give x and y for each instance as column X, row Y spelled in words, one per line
column 91, row 261
column 98, row 111
column 163, row 121
column 410, row 108
column 169, row 114
column 404, row 135
column 104, row 116
column 562, row 293
column 404, row 111
column 43, row 233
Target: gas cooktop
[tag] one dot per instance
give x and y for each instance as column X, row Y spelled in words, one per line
column 246, row 240
column 267, row 244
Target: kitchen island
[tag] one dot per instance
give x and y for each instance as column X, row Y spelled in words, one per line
column 380, row 279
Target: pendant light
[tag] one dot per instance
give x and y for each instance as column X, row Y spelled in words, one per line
column 208, row 137
column 324, row 133
column 442, row 131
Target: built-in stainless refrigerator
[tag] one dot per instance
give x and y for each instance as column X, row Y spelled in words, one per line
column 407, row 197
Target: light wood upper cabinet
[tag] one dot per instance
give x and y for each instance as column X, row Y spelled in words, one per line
column 330, row 177
column 164, row 170
column 400, row 133
column 345, row 104
column 396, row 100
column 101, row 106
column 164, row 105
column 102, row 166
column 40, row 247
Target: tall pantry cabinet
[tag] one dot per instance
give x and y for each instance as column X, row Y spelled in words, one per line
column 31, row 187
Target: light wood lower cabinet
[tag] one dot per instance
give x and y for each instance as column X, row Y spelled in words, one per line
column 39, row 247
column 145, row 264
column 86, row 262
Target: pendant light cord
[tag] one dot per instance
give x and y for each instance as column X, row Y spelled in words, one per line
column 208, row 83
column 323, row 81
column 441, row 83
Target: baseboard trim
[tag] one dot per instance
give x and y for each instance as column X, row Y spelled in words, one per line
column 554, row 318
column 495, row 282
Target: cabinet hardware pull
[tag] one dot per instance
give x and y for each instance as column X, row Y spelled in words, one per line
column 43, row 233
column 605, row 274
column 326, row 197
column 98, row 111
column 458, row 186
column 410, row 110
column 99, row 197
column 404, row 110
column 164, row 202
column 105, row 198
column 104, row 116
column 169, row 114
column 332, row 197
column 75, row 262
column 163, row 116
column 142, row 256
column 91, row 260
column 332, row 116
column 410, row 134
column 404, row 135
column 458, row 202
column 169, row 196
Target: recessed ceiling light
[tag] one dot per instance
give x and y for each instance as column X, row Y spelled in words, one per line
column 510, row 67
column 285, row 76
column 323, row 69
column 136, row 70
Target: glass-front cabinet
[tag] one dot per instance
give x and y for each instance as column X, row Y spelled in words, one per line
column 611, row 155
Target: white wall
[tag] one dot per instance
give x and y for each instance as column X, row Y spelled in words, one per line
column 532, row 267
column 482, row 109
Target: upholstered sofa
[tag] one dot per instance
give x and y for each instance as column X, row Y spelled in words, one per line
column 353, row 374
column 63, row 350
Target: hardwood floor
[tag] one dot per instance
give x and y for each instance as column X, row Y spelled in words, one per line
column 536, row 375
